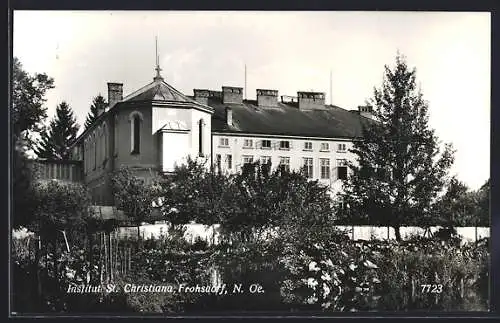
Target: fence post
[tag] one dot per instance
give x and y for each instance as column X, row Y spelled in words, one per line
column 110, row 256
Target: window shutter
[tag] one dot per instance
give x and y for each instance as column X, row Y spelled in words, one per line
column 258, row 144
column 290, row 144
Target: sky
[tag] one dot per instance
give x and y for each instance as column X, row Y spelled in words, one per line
column 287, row 51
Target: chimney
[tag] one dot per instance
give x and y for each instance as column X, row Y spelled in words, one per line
column 267, row 98
column 232, row 94
column 311, row 100
column 366, row 111
column 201, row 95
column 115, row 93
column 229, row 116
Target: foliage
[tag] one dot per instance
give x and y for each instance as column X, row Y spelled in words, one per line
column 22, row 189
column 133, row 195
column 98, row 103
column 341, row 279
column 400, row 168
column 60, row 207
column 28, row 99
column 246, row 204
column 193, row 193
column 460, row 270
column 27, row 114
column 62, row 131
column 460, row 206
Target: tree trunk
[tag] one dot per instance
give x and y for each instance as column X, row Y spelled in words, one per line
column 398, row 233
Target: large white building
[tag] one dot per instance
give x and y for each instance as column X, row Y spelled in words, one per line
column 157, row 127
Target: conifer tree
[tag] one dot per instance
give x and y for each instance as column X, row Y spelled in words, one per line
column 97, row 103
column 62, row 131
column 400, row 168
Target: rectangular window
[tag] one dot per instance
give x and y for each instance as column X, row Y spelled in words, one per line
column 248, row 143
column 284, row 144
column 308, row 145
column 324, row 164
column 247, row 159
column 229, row 161
column 325, row 146
column 224, row 142
column 308, row 167
column 266, row 144
column 218, row 163
column 342, row 169
column 285, row 163
column 265, row 160
column 341, row 147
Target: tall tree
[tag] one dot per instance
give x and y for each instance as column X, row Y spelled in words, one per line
column 61, row 133
column 27, row 114
column 98, row 103
column 28, row 99
column 400, row 168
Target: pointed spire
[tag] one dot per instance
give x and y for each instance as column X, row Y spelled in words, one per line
column 158, row 69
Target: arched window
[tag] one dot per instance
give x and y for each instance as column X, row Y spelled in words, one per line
column 135, row 132
column 201, row 125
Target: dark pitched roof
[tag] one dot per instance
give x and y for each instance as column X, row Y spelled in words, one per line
column 159, row 90
column 287, row 119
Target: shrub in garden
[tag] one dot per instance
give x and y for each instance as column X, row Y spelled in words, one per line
column 410, row 265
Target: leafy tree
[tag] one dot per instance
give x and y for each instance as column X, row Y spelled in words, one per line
column 27, row 114
column 61, row 210
column 483, row 210
column 28, row 99
column 246, row 204
column 98, row 103
column 62, row 132
column 456, row 205
column 133, row 196
column 400, row 168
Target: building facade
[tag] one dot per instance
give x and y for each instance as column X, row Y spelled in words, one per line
column 157, row 127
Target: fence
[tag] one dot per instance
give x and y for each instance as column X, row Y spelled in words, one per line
column 211, row 234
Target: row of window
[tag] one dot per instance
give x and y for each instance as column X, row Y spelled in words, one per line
column 283, row 144
column 284, row 162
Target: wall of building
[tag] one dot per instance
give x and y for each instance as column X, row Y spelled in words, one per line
column 97, row 162
column 123, row 156
column 296, row 152
column 190, row 118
